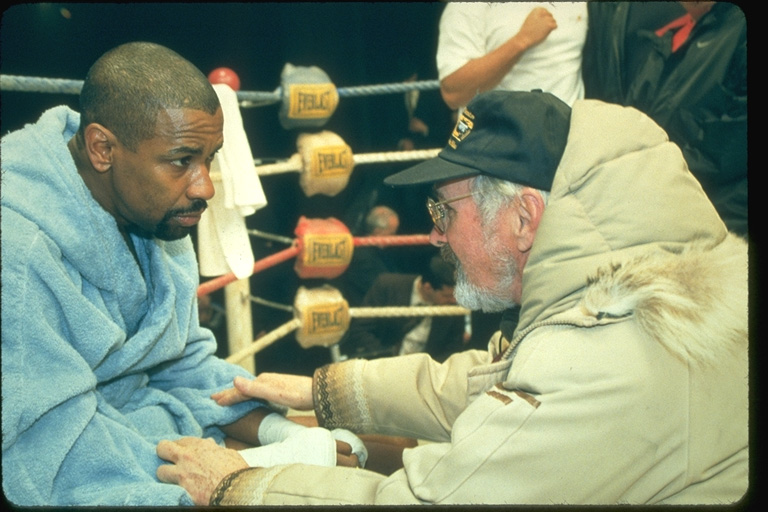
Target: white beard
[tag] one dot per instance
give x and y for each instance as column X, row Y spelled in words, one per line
column 474, row 297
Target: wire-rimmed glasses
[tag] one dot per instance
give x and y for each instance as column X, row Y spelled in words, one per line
column 437, row 211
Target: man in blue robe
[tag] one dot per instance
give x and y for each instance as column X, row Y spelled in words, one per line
column 102, row 352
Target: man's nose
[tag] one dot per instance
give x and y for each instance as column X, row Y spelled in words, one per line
column 202, row 186
column 437, row 238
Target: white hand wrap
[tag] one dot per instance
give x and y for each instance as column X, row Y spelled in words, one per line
column 275, row 428
column 315, row 446
column 286, row 442
column 358, row 448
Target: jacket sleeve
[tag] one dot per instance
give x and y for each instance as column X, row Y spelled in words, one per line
column 604, row 52
column 369, row 396
column 545, row 435
column 437, row 472
column 299, row 484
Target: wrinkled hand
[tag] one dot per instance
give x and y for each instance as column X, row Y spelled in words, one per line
column 537, row 26
column 198, row 465
column 294, row 391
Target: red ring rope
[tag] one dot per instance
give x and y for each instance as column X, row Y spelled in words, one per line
column 263, row 264
column 286, row 254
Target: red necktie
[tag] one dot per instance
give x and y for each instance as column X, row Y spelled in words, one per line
column 685, row 24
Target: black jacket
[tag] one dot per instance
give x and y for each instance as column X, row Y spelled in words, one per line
column 697, row 94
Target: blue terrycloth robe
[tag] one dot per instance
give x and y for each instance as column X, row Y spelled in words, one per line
column 98, row 365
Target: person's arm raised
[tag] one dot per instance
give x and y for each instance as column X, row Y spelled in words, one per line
column 486, row 72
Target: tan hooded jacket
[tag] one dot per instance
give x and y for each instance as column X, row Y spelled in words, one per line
column 626, row 380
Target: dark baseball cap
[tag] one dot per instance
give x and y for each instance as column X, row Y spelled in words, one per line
column 513, row 135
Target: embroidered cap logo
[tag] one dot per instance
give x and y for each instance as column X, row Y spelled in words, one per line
column 463, row 128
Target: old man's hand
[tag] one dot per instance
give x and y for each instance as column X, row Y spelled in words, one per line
column 198, row 465
column 294, row 391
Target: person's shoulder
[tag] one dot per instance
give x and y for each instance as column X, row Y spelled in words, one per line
column 462, row 10
column 402, row 276
column 395, row 277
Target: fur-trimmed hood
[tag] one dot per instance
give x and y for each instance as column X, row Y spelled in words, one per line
column 628, row 231
column 693, row 302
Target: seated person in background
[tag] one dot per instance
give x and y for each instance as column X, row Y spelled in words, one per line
column 102, row 350
column 368, row 261
column 438, row 336
column 482, row 327
column 382, row 221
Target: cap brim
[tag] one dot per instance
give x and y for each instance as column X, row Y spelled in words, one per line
column 430, row 171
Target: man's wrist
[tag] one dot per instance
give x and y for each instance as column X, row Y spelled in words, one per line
column 518, row 44
column 243, row 487
column 275, row 428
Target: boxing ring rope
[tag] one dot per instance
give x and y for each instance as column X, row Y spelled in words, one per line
column 269, row 303
column 290, row 326
column 247, row 98
column 383, row 312
column 265, row 341
column 296, row 164
column 36, row 84
column 262, row 264
column 291, row 252
column 270, row 236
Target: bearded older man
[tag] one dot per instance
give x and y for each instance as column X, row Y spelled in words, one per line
column 625, row 380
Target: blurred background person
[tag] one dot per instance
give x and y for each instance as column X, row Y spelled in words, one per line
column 438, row 336
column 684, row 64
column 515, row 46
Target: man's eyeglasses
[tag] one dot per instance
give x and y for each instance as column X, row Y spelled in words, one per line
column 437, row 211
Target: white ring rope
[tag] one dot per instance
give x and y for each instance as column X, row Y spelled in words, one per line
column 269, row 303
column 405, row 311
column 265, row 341
column 296, row 164
column 269, row 236
column 383, row 312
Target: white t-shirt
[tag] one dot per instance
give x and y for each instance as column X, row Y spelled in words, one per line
column 469, row 30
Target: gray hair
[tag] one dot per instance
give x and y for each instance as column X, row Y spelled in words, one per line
column 491, row 194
